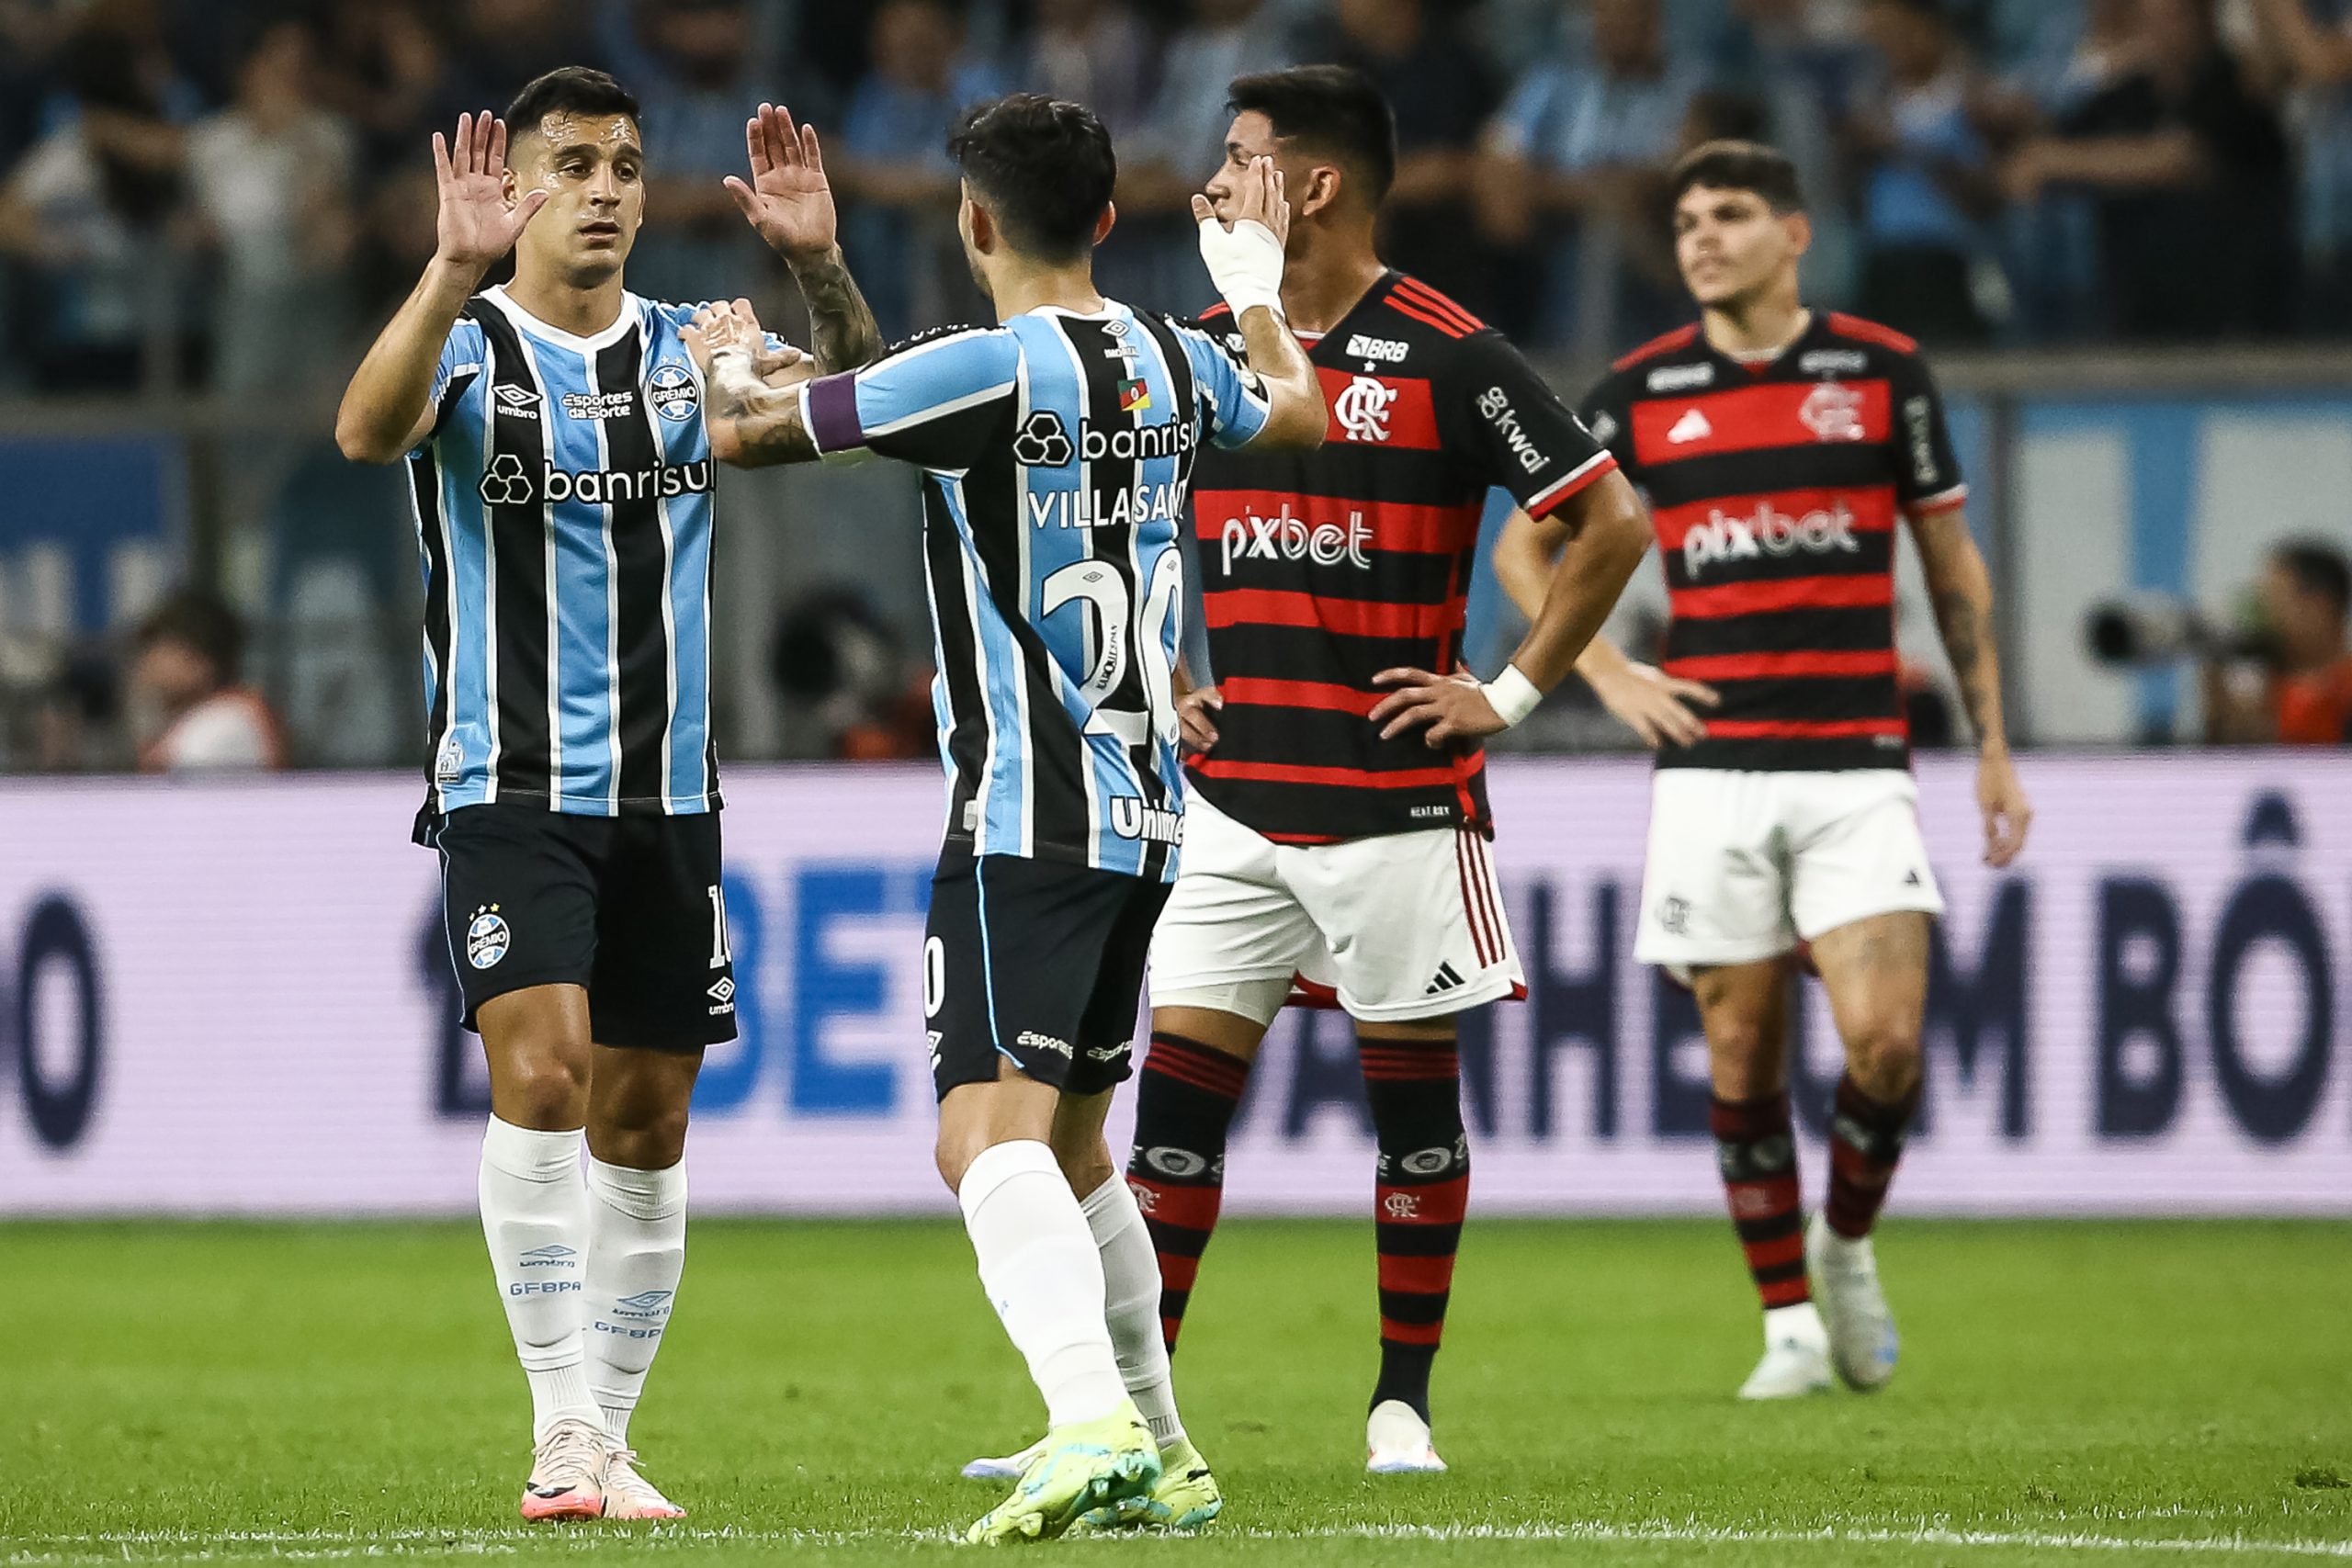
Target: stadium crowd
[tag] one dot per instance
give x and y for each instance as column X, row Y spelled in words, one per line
column 223, row 194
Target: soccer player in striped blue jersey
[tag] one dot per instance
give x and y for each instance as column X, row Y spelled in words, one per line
column 561, row 457
column 1056, row 448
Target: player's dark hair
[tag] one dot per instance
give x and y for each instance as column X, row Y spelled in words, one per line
column 1762, row 171
column 1044, row 166
column 1328, row 110
column 198, row 621
column 2318, row 567
column 568, row 89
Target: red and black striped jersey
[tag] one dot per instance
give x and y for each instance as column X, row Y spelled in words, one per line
column 1776, row 488
column 1320, row 569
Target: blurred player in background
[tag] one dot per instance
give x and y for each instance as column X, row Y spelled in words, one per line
column 1324, row 850
column 561, row 456
column 1778, row 447
column 1057, row 447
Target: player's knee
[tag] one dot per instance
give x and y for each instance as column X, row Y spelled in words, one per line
column 545, row 1089
column 643, row 1136
column 1882, row 1057
column 1087, row 1169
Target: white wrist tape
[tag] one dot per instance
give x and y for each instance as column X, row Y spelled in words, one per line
column 1512, row 694
column 732, row 369
column 1245, row 263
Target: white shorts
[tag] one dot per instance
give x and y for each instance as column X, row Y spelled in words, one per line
column 1402, row 927
column 1742, row 865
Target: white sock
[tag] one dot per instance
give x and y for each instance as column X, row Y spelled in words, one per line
column 1131, row 1304
column 636, row 1251
column 535, row 1216
column 1042, row 1273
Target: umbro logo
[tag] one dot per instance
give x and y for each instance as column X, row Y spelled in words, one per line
column 1911, row 877
column 518, row 401
column 722, row 989
column 1448, row 979
column 1691, row 426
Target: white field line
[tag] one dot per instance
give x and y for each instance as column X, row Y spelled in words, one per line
column 135, row 1546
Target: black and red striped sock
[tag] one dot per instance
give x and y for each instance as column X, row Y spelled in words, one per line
column 1421, row 1194
column 1866, row 1140
column 1755, row 1148
column 1185, row 1097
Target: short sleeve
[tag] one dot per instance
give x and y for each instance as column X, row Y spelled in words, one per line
column 1233, row 396
column 1517, row 433
column 1927, row 475
column 935, row 402
column 458, row 368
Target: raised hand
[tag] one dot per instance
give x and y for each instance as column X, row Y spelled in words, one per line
column 477, row 223
column 787, row 200
column 1259, row 197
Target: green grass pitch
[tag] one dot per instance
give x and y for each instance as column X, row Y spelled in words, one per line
column 2079, row 1394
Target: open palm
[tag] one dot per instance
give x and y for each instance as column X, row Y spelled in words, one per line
column 477, row 224
column 787, row 198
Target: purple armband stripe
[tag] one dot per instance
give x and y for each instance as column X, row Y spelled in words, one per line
column 832, row 413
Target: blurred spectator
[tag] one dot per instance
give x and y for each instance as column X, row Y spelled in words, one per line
column 190, row 711
column 1093, row 52
column 500, row 44
column 270, row 179
column 2303, row 601
column 696, row 66
column 85, row 209
column 1442, row 94
column 2189, row 170
column 1591, row 144
column 1793, row 59
column 382, row 62
column 2313, row 54
column 901, row 231
column 1927, row 178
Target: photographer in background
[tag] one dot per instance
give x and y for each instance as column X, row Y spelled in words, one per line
column 191, row 713
column 2302, row 695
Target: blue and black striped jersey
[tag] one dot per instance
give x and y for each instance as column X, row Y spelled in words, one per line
column 1058, row 451
column 563, row 502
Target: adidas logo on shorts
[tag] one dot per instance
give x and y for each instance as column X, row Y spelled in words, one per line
column 1448, row 979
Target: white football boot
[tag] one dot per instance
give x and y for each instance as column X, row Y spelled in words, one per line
column 629, row 1496
column 1862, row 1342
column 1796, row 1356
column 1396, row 1442
column 567, row 1474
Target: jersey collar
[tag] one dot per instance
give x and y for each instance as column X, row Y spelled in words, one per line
column 623, row 325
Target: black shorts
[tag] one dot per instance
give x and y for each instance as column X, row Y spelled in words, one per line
column 1036, row 961
column 627, row 907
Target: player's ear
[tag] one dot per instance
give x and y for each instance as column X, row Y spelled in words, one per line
column 510, row 187
column 1108, row 221
column 1322, row 187
column 979, row 225
column 1800, row 232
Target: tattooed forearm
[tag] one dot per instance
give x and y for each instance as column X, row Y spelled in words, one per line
column 1962, row 592
column 1967, row 637
column 841, row 324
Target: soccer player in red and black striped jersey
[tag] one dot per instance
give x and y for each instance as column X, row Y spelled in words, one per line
column 1780, row 448
column 1321, row 852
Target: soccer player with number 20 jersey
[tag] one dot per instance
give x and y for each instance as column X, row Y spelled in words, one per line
column 1338, row 838
column 1781, row 449
column 561, row 457
column 1057, row 449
